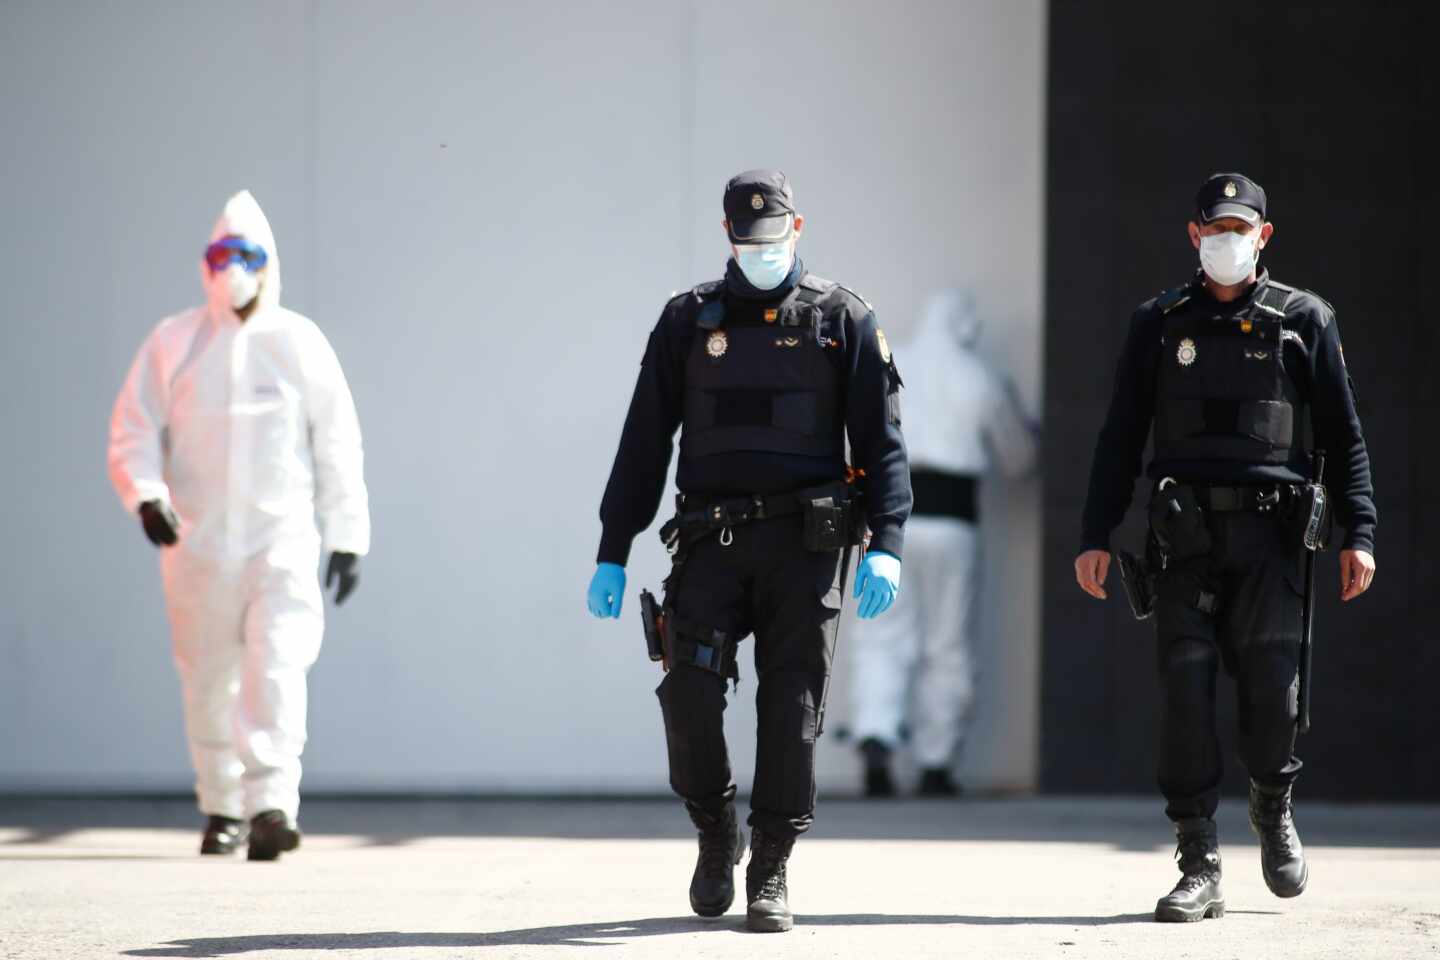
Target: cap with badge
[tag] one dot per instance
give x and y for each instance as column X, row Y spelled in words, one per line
column 1230, row 195
column 759, row 206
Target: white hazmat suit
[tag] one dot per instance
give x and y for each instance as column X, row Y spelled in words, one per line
column 961, row 421
column 248, row 430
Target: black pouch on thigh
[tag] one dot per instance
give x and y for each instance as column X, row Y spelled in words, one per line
column 1178, row 523
column 692, row 644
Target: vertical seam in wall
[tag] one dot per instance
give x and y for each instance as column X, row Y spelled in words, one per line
column 1035, row 762
column 312, row 172
column 690, row 183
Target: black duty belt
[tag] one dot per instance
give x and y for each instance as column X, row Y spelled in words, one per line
column 942, row 494
column 697, row 515
column 1261, row 499
column 733, row 512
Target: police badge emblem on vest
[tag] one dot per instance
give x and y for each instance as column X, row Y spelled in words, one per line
column 717, row 344
column 1186, row 353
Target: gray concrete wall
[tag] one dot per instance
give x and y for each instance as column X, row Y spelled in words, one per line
column 485, row 207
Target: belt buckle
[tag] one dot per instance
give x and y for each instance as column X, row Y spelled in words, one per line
column 1267, row 500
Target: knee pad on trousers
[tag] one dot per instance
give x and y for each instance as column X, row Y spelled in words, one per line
column 692, row 703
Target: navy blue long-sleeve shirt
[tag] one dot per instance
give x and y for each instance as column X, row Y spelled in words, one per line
column 871, row 384
column 1316, row 365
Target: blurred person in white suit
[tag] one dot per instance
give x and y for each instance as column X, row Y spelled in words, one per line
column 234, row 433
column 916, row 669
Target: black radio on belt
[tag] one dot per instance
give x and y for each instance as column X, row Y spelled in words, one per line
column 1312, row 514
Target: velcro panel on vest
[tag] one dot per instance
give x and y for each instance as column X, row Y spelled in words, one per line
column 1225, row 429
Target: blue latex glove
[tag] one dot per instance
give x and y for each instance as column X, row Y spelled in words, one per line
column 607, row 590
column 877, row 583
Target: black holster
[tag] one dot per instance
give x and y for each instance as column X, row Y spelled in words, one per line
column 1139, row 582
column 1177, row 522
column 653, row 622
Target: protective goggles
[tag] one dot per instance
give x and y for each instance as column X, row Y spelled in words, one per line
column 228, row 250
column 762, row 229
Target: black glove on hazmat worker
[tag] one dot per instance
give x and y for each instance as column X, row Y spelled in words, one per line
column 344, row 567
column 160, row 523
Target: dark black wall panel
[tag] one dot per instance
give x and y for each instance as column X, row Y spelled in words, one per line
column 1331, row 106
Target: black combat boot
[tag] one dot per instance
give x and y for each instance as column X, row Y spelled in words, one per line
column 878, row 782
column 271, row 834
column 1197, row 896
column 765, row 888
column 937, row 782
column 222, row 835
column 1282, row 859
column 722, row 844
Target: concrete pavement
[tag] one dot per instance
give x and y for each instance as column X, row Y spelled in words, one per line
column 1015, row 878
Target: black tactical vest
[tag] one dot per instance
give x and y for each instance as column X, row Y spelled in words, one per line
column 1221, row 392
column 767, row 386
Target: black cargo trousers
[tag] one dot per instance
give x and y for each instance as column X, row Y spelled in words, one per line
column 1240, row 605
column 763, row 582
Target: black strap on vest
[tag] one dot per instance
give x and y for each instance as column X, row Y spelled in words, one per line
column 1272, row 300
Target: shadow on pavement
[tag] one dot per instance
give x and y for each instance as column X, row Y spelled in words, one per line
column 586, row 934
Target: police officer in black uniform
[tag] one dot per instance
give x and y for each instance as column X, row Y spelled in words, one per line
column 766, row 371
column 1225, row 368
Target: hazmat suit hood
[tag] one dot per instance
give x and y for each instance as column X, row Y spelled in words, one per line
column 242, row 217
column 960, row 416
column 950, row 322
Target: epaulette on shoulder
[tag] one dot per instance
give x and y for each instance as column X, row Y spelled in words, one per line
column 1310, row 293
column 856, row 296
column 709, row 307
column 707, row 290
column 1274, row 298
column 1172, row 298
column 818, row 284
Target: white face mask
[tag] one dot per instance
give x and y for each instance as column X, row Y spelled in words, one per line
column 765, row 265
column 1227, row 258
column 243, row 285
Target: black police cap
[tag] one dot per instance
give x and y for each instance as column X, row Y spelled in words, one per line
column 1230, row 195
column 759, row 205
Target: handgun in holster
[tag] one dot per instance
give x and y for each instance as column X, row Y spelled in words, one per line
column 652, row 618
column 1139, row 583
